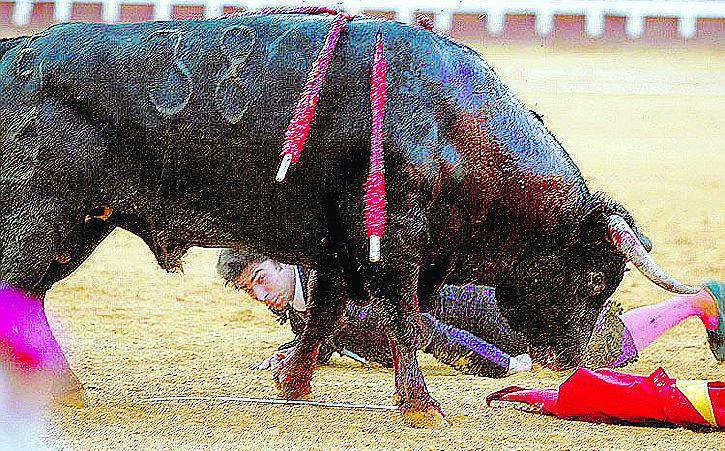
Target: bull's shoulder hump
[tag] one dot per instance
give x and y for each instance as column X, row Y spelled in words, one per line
column 8, row 43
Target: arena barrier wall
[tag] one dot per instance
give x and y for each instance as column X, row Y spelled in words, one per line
column 570, row 21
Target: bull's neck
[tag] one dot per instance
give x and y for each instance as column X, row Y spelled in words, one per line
column 521, row 186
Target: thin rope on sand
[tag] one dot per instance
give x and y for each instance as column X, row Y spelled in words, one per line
column 272, row 401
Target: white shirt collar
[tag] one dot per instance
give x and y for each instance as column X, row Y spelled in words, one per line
column 298, row 302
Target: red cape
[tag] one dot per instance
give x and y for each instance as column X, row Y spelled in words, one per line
column 608, row 396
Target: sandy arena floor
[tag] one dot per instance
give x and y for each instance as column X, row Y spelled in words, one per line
column 645, row 126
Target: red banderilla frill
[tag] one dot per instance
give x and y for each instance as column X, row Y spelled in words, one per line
column 304, row 113
column 298, row 129
column 375, row 201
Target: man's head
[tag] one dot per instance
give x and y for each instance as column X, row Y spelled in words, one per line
column 264, row 279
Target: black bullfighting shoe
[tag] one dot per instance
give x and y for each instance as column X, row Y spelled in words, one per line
column 716, row 337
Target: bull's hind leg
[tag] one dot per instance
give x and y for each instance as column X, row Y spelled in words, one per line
column 77, row 247
column 30, row 243
column 294, row 375
column 34, row 259
column 50, row 153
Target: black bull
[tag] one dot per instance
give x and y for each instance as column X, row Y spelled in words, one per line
column 176, row 128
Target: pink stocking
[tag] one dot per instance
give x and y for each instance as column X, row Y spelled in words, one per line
column 26, row 339
column 646, row 324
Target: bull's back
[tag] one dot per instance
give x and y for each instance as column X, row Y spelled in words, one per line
column 242, row 73
column 194, row 114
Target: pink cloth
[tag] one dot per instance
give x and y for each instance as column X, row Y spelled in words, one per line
column 26, row 339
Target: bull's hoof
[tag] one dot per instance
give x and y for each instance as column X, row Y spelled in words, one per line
column 69, row 392
column 293, row 388
column 293, row 392
column 293, row 376
column 430, row 418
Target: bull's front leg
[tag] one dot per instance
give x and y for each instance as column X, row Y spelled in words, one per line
column 294, row 374
column 417, row 406
column 394, row 286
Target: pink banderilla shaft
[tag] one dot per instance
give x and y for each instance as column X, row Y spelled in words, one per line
column 375, row 201
column 304, row 113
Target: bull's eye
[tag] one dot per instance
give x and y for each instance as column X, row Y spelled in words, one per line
column 596, row 282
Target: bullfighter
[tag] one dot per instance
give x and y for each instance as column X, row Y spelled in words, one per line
column 465, row 329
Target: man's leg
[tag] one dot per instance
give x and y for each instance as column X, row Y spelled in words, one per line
column 468, row 353
column 362, row 331
column 473, row 308
column 618, row 339
column 648, row 323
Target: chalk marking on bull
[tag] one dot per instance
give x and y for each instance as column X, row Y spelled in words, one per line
column 272, row 401
column 237, row 58
column 157, row 91
column 26, row 50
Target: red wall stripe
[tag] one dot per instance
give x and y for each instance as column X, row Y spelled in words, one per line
column 136, row 13
column 87, row 12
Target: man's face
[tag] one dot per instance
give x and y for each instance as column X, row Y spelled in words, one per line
column 269, row 282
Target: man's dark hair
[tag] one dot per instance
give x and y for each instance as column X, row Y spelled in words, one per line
column 232, row 263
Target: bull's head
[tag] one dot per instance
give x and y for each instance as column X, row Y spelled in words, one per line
column 556, row 292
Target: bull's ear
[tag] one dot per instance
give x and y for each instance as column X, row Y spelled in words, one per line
column 595, row 282
column 596, row 218
column 593, row 225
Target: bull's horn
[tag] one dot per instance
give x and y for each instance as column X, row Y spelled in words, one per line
column 624, row 238
column 646, row 242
